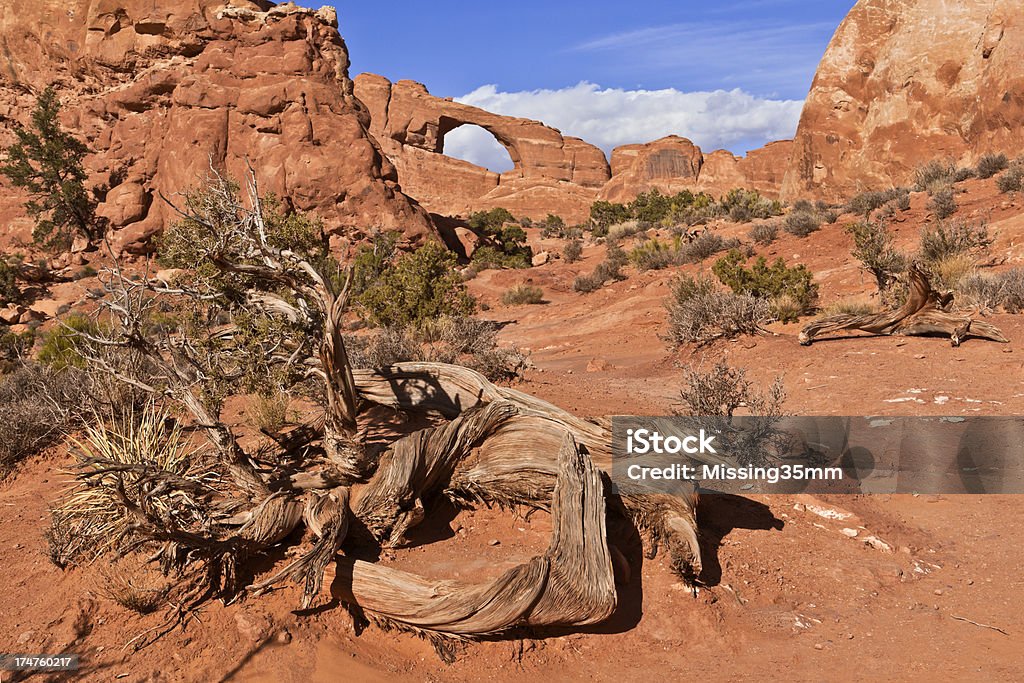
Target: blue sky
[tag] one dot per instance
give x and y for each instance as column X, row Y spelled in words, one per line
column 617, row 71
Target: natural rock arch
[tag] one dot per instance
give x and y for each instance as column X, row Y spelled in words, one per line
column 447, row 125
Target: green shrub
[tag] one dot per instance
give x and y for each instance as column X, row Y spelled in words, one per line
column 801, row 223
column 9, row 291
column 59, row 348
column 990, row 164
column 604, row 214
column 874, row 249
column 764, row 233
column 372, row 259
column 791, row 290
column 943, row 203
column 699, row 312
column 743, row 206
column 505, row 241
column 416, row 287
column 523, row 294
column 573, row 250
column 552, row 226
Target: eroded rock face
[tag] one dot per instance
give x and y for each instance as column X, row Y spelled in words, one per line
column 673, row 164
column 160, row 89
column 553, row 173
column 907, row 81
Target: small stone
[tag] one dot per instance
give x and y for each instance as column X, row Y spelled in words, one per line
column 819, row 646
column 919, row 356
column 283, row 637
column 938, row 591
column 851, row 533
column 494, row 541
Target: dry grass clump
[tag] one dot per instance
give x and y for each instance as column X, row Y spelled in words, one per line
column 268, row 412
column 764, row 233
column 141, row 591
column 943, row 203
column 990, row 164
column 937, row 175
column 1013, row 179
column 523, row 294
column 573, row 250
column 992, row 292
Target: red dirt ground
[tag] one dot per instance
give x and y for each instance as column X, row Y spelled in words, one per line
column 789, row 596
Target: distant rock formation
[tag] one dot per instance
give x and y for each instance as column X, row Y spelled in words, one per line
column 673, row 164
column 904, row 82
column 552, row 173
column 161, row 89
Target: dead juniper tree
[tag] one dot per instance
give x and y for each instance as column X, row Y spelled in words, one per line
column 926, row 312
column 258, row 298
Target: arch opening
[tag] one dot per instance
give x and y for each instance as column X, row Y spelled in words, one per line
column 477, row 145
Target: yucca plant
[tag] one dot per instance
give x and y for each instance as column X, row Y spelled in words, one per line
column 140, row 461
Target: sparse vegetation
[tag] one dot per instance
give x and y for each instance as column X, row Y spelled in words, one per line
column 1013, row 179
column 699, row 312
column 47, row 162
column 469, row 342
column 9, row 291
column 523, row 294
column 801, row 223
column 721, row 392
column 991, row 292
column 943, row 203
column 268, row 411
column 990, row 164
column 764, row 233
column 609, row 270
column 951, row 238
column 654, row 254
column 873, row 247
column 573, row 250
column 790, row 290
column 865, row 203
column 743, row 206
column 938, row 175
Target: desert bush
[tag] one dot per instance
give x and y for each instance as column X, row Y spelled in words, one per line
column 1004, row 290
column 849, row 307
column 469, row 342
column 874, row 249
column 791, row 290
column 607, row 271
column 1012, row 180
column 764, row 233
column 699, row 312
column 268, row 411
column 654, row 254
column 990, row 164
column 866, row 202
column 801, row 223
column 947, row 272
column 59, row 348
column 937, row 175
column 721, row 392
column 552, row 226
column 742, row 205
column 621, row 231
column 37, row 404
column 706, row 245
column 417, row 287
column 372, row 259
column 605, row 214
column 951, row 238
column 903, row 201
column 505, row 245
column 523, row 294
column 573, row 251
column 943, row 203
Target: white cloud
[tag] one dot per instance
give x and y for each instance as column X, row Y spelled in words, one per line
column 609, row 117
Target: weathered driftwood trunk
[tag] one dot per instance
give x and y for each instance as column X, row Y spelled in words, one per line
column 925, row 312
